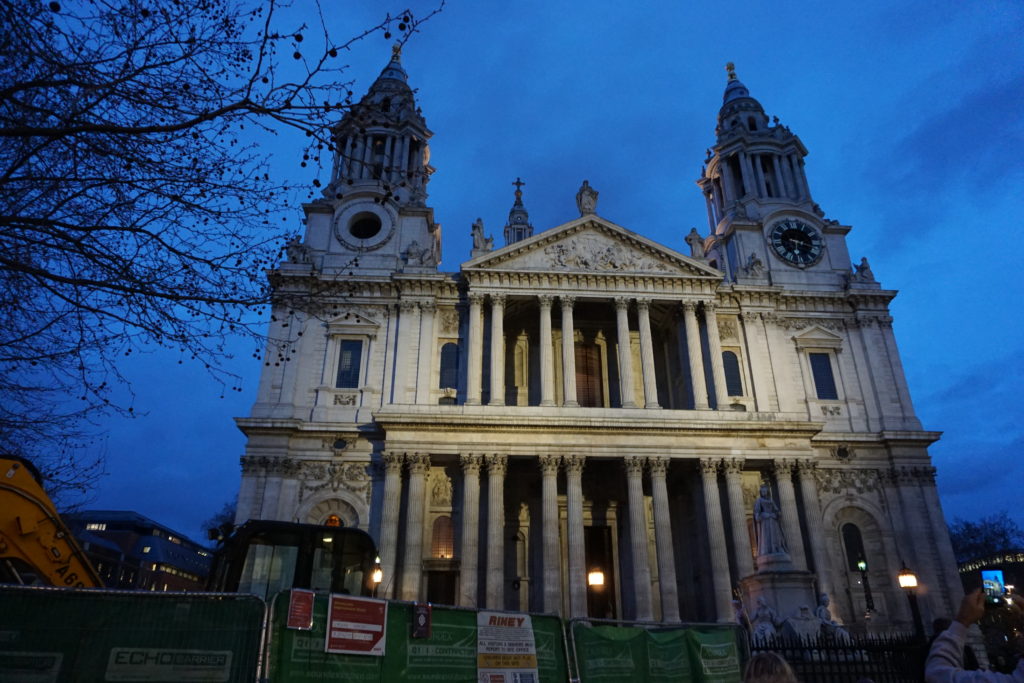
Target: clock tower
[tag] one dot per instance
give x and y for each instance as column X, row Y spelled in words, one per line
column 373, row 212
column 765, row 227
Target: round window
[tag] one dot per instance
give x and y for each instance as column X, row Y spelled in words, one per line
column 364, row 225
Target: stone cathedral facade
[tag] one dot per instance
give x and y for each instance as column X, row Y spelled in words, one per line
column 585, row 399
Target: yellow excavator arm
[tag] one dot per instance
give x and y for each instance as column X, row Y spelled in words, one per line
column 33, row 539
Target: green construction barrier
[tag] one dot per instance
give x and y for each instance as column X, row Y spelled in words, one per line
column 86, row 635
column 704, row 654
column 449, row 654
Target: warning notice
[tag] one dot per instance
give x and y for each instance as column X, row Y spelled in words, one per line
column 506, row 651
column 300, row 609
column 356, row 626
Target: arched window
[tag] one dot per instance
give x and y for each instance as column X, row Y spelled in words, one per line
column 442, row 544
column 733, row 379
column 854, row 545
column 449, row 366
column 333, row 520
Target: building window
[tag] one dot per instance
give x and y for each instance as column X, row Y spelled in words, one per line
column 442, row 544
column 854, row 545
column 349, row 361
column 824, row 380
column 733, row 380
column 449, row 375
column 95, row 526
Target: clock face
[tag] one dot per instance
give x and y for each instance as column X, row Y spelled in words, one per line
column 796, row 242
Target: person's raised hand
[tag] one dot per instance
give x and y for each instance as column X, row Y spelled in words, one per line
column 972, row 607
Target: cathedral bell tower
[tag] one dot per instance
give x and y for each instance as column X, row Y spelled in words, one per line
column 374, row 211
column 518, row 226
column 764, row 225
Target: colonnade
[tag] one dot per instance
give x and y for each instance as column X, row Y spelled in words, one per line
column 627, row 373
column 492, row 536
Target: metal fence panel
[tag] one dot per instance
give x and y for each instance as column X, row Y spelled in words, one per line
column 883, row 659
column 55, row 635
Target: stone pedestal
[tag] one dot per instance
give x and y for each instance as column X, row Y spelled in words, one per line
column 785, row 591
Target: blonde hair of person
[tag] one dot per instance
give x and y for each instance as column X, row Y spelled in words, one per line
column 768, row 667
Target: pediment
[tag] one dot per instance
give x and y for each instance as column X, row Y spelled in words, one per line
column 818, row 337
column 592, row 245
column 352, row 323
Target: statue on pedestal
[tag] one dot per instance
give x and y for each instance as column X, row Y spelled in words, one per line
column 764, row 621
column 696, row 243
column 586, row 199
column 770, row 539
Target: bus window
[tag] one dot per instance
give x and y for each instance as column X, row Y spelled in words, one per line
column 268, row 569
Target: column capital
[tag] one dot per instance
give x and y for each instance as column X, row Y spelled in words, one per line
column 806, row 467
column 497, row 463
column 545, row 300
column 567, row 301
column 709, row 465
column 750, row 316
column 549, row 464
column 784, row 467
column 574, row 463
column 709, row 307
column 634, row 466
column 407, row 306
column 498, row 299
column 428, row 306
column 476, row 298
column 658, row 464
column 470, row 463
column 643, row 304
column 622, row 303
column 419, row 463
column 690, row 306
column 393, row 460
column 733, row 466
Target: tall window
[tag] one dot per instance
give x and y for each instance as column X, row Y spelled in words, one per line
column 854, row 545
column 349, row 361
column 442, row 544
column 449, row 366
column 824, row 380
column 733, row 380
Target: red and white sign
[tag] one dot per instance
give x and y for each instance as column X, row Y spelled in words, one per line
column 300, row 609
column 356, row 626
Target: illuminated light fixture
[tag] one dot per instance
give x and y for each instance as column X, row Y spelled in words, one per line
column 862, row 565
column 595, row 578
column 907, row 578
column 378, row 574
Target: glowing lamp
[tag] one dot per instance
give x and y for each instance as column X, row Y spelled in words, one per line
column 595, row 578
column 907, row 578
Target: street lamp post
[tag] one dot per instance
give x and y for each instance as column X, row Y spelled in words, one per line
column 908, row 582
column 869, row 600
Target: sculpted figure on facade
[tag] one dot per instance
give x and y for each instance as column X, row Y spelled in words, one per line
column 764, row 621
column 754, row 266
column 480, row 242
column 297, row 251
column 770, row 540
column 586, row 199
column 696, row 243
column 863, row 271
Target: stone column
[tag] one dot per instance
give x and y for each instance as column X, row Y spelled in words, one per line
column 700, row 387
column 720, row 577
column 574, row 532
column 568, row 353
column 552, row 573
column 474, row 364
column 425, row 371
column 815, row 529
column 496, row 467
column 643, row 307
column 638, row 538
column 470, row 529
column 738, row 515
column 763, row 389
column 547, row 362
column 389, row 520
column 663, row 541
column 497, row 350
column 412, row 566
column 625, row 353
column 788, row 512
column 715, row 349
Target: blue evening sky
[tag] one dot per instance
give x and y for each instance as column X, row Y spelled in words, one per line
column 911, row 111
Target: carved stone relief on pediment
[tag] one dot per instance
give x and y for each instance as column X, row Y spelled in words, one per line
column 848, row 480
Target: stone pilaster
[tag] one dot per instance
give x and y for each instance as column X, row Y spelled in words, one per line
column 425, row 378
column 412, row 566
column 815, row 529
column 663, row 541
column 495, row 587
column 763, row 390
column 470, row 529
column 638, row 538
column 738, row 516
column 715, row 350
column 568, row 353
column 389, row 520
column 700, row 387
column 625, row 353
column 552, row 571
column 643, row 309
column 475, row 359
column 408, row 329
column 497, row 350
column 574, row 531
column 720, row 576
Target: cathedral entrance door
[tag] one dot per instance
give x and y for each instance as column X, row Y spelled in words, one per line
column 588, row 375
column 441, row 587
column 600, row 598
